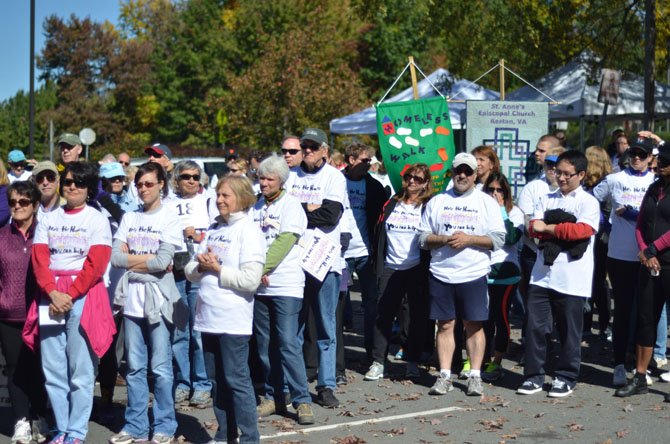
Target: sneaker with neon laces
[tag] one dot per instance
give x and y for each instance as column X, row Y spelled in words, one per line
column 465, row 371
column 22, row 433
column 619, row 376
column 560, row 388
column 492, row 372
column 375, row 372
column 442, row 386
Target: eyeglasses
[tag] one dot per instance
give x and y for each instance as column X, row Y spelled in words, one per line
column 50, row 176
column 147, row 185
column 310, row 146
column 116, row 179
column 195, row 177
column 124, row 163
column 77, row 183
column 463, row 169
column 22, row 202
column 492, row 190
column 565, row 174
column 292, row 152
column 638, row 153
column 417, row 179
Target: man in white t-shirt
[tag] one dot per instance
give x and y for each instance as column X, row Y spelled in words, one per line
column 565, row 221
column 460, row 226
column 321, row 189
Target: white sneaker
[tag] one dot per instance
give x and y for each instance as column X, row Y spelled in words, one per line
column 40, row 430
column 660, row 362
column 22, row 433
column 619, row 377
column 665, row 377
column 649, row 380
column 375, row 372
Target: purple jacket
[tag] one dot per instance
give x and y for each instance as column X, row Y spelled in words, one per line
column 4, row 206
column 17, row 281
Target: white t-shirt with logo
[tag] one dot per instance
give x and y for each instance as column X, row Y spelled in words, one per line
column 224, row 310
column 510, row 253
column 402, row 246
column 143, row 233
column 474, row 213
column 193, row 212
column 327, row 183
column 572, row 277
column 69, row 236
column 623, row 188
column 527, row 200
column 284, row 215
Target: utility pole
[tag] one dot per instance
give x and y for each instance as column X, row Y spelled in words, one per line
column 31, row 117
column 649, row 65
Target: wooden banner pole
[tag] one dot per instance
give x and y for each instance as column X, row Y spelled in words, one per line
column 412, row 70
column 502, row 79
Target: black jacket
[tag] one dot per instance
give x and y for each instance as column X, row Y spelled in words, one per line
column 654, row 219
column 552, row 247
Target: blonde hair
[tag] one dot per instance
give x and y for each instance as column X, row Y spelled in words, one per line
column 4, row 180
column 241, row 188
column 598, row 167
column 240, row 163
column 556, row 151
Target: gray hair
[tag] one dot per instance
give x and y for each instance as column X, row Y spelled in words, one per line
column 274, row 166
column 182, row 166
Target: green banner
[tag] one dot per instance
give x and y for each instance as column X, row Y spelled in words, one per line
column 416, row 131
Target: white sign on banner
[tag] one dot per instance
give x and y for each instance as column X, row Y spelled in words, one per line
column 512, row 128
column 319, row 253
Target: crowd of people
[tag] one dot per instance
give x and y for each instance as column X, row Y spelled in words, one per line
column 121, row 272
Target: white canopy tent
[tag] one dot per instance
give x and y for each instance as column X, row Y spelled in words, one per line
column 578, row 97
column 365, row 122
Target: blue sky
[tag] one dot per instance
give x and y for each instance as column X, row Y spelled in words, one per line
column 15, row 34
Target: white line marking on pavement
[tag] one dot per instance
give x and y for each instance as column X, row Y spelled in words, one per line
column 362, row 422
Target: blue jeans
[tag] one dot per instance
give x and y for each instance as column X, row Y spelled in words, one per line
column 368, row 282
column 321, row 299
column 187, row 343
column 276, row 329
column 140, row 338
column 661, row 346
column 69, row 371
column 226, row 358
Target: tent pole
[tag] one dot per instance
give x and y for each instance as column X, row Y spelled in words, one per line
column 581, row 133
column 412, row 71
column 502, row 79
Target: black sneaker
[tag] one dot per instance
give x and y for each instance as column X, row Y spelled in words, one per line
column 341, row 380
column 636, row 386
column 560, row 388
column 666, row 398
column 326, row 398
column 529, row 387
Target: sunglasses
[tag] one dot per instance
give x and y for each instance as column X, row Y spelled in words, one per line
column 195, row 177
column 495, row 190
column 292, row 152
column 463, row 169
column 17, row 164
column 310, row 146
column 116, row 179
column 147, row 185
column 365, row 159
column 417, row 179
column 50, row 176
column 124, row 163
column 639, row 153
column 22, row 202
column 77, row 183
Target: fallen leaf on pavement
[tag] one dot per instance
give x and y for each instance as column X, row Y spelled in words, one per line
column 442, row 433
column 211, row 425
column 628, row 408
column 539, row 415
column 435, row 422
column 622, row 433
column 412, row 397
column 351, row 439
column 574, row 427
column 394, row 432
column 283, row 425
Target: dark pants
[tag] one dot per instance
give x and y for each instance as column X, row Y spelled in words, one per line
column 500, row 298
column 108, row 368
column 652, row 293
column 234, row 399
column 623, row 275
column 544, row 308
column 368, row 285
column 394, row 285
column 25, row 381
column 599, row 294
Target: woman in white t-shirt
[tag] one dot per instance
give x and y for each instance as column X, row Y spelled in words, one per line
column 144, row 245
column 402, row 270
column 504, row 277
column 279, row 299
column 191, row 206
column 229, row 267
column 71, row 252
